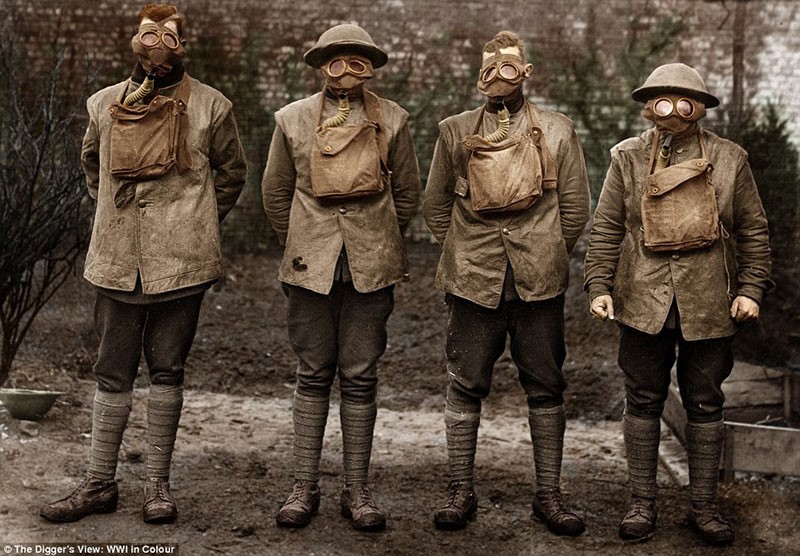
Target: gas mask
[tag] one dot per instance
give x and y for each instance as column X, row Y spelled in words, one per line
column 502, row 74
column 158, row 46
column 673, row 113
column 343, row 74
column 346, row 72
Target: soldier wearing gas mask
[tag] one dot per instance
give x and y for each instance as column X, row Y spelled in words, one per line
column 507, row 198
column 164, row 162
column 679, row 256
column 340, row 186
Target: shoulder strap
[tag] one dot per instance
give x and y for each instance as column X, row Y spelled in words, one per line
column 372, row 109
column 549, row 165
column 653, row 151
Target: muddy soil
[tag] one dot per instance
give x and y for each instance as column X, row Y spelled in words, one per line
column 232, row 466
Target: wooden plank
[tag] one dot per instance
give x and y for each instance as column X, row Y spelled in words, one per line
column 748, row 371
column 745, row 393
column 753, row 415
column 795, row 394
column 761, row 449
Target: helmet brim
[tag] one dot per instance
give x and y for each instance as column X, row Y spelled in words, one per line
column 643, row 94
column 317, row 56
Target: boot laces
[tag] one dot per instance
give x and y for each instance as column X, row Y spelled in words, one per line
column 551, row 500
column 299, row 492
column 458, row 494
column 640, row 509
column 362, row 497
column 79, row 490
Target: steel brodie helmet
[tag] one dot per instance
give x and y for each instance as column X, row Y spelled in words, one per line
column 675, row 78
column 344, row 37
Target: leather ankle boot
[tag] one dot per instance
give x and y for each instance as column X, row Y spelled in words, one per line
column 302, row 503
column 550, row 508
column 639, row 522
column 358, row 506
column 92, row 496
column 712, row 528
column 159, row 505
column 461, row 506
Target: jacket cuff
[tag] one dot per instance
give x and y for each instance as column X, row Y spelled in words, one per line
column 596, row 290
column 754, row 293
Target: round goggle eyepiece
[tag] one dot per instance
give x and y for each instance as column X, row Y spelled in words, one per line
column 664, row 107
column 151, row 39
column 507, row 71
column 339, row 66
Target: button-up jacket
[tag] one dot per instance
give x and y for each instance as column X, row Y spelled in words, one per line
column 169, row 232
column 314, row 231
column 536, row 242
column 703, row 282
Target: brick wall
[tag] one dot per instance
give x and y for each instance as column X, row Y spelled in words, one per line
column 416, row 31
column 251, row 50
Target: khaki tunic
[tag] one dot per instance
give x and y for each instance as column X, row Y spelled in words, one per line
column 536, row 242
column 703, row 282
column 370, row 229
column 169, row 233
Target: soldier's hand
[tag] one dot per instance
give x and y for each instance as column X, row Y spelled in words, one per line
column 602, row 307
column 744, row 309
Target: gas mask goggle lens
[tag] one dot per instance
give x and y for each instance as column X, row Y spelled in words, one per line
column 151, row 36
column 355, row 66
column 684, row 108
column 507, row 71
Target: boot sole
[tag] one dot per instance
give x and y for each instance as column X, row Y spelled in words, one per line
column 294, row 524
column 632, row 539
column 107, row 508
column 540, row 515
column 706, row 539
column 160, row 519
column 456, row 525
column 372, row 527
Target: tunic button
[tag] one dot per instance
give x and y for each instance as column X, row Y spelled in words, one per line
column 343, row 210
column 506, row 231
column 328, row 149
column 142, row 203
column 675, row 256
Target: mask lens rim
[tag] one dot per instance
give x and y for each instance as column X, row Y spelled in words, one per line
column 170, row 40
column 148, row 38
column 337, row 67
column 506, row 67
column 663, row 107
column 357, row 66
column 489, row 74
column 685, row 108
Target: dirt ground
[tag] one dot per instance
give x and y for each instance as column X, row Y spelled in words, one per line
column 232, row 466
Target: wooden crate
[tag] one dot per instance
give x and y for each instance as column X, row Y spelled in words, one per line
column 756, row 399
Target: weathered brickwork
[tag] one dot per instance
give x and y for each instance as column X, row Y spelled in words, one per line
column 416, row 31
column 252, row 50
